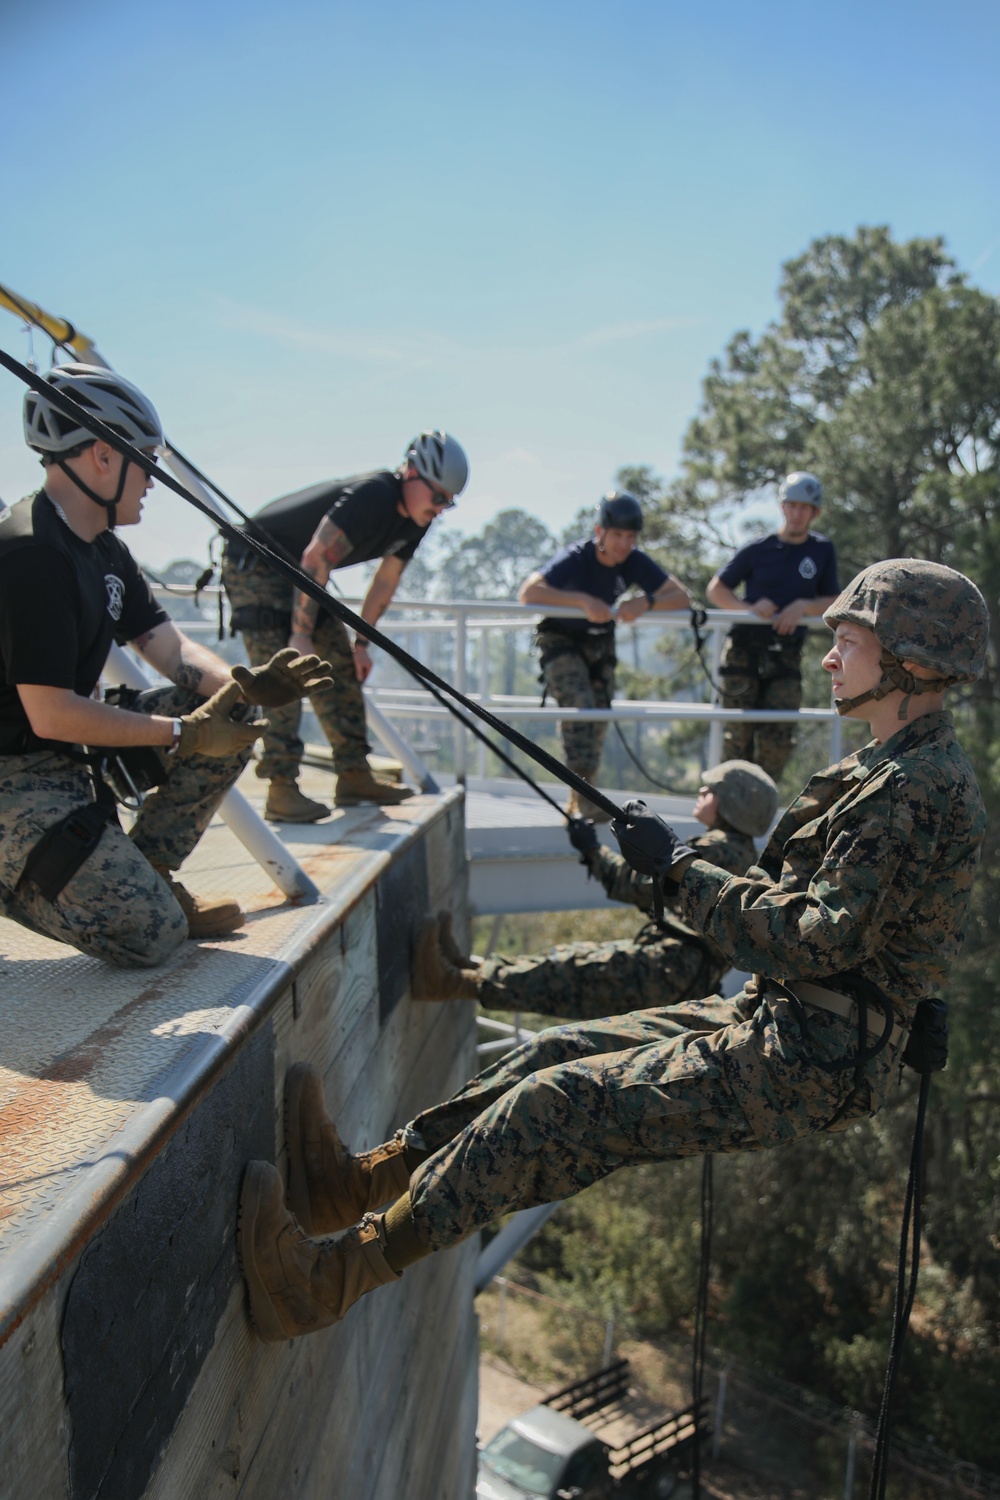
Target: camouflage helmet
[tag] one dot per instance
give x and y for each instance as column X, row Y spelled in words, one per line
column 748, row 798
column 921, row 612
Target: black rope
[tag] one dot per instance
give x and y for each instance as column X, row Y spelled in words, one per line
column 248, row 520
column 701, row 1322
column 307, row 585
column 905, row 1294
column 451, row 707
column 675, row 791
column 698, row 619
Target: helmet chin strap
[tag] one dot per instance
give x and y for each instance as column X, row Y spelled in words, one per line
column 894, row 676
column 111, row 506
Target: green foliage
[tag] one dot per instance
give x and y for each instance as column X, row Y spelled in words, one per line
column 495, row 562
column 881, row 373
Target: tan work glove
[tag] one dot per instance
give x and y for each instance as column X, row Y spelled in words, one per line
column 209, row 730
column 286, row 678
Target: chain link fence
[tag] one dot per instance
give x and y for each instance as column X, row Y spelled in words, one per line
column 789, row 1443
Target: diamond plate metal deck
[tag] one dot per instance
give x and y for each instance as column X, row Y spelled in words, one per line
column 93, row 1058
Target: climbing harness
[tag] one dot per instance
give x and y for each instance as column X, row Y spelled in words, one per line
column 67, row 845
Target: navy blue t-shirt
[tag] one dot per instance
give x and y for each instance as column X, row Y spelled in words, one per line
column 782, row 571
column 578, row 568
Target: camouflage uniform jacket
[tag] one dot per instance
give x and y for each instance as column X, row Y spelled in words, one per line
column 872, row 865
column 723, row 847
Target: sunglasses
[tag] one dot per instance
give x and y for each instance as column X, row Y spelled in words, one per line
column 439, row 498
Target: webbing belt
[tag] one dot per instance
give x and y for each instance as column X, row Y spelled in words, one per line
column 821, row 998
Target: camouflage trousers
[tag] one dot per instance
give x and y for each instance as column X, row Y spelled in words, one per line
column 581, row 676
column 116, row 907
column 585, row 981
column 340, row 708
column 764, row 674
column 579, row 1102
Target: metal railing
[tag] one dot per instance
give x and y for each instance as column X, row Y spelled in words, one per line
column 472, row 624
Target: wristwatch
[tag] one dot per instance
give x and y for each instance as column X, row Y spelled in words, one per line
column 175, row 737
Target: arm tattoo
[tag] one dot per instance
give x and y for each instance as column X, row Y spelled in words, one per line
column 304, row 614
column 188, row 676
column 335, row 547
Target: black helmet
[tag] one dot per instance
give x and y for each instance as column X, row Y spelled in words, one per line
column 621, row 510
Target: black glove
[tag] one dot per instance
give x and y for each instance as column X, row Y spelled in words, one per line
column 583, row 837
column 647, row 843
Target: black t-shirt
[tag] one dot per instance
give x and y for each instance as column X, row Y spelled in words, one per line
column 364, row 508
column 579, row 569
column 62, row 602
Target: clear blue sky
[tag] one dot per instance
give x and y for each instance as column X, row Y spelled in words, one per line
column 308, row 231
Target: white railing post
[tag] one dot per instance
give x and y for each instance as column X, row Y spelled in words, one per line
column 401, row 748
column 836, row 740
column 247, row 825
column 461, row 643
column 715, row 729
column 484, row 688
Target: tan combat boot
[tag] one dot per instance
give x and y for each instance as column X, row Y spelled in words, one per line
column 328, row 1188
column 297, row 1284
column 450, row 948
column 206, row 916
column 435, row 976
column 361, row 786
column 582, row 807
column 287, row 804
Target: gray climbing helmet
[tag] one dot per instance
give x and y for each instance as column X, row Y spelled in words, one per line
column 748, row 798
column 621, row 510
column 440, row 460
column 919, row 611
column 105, row 395
column 803, row 487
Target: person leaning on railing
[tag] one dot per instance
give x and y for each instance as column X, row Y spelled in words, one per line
column 785, row 576
column 385, row 514
column 850, row 920
column 68, row 588
column 577, row 657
